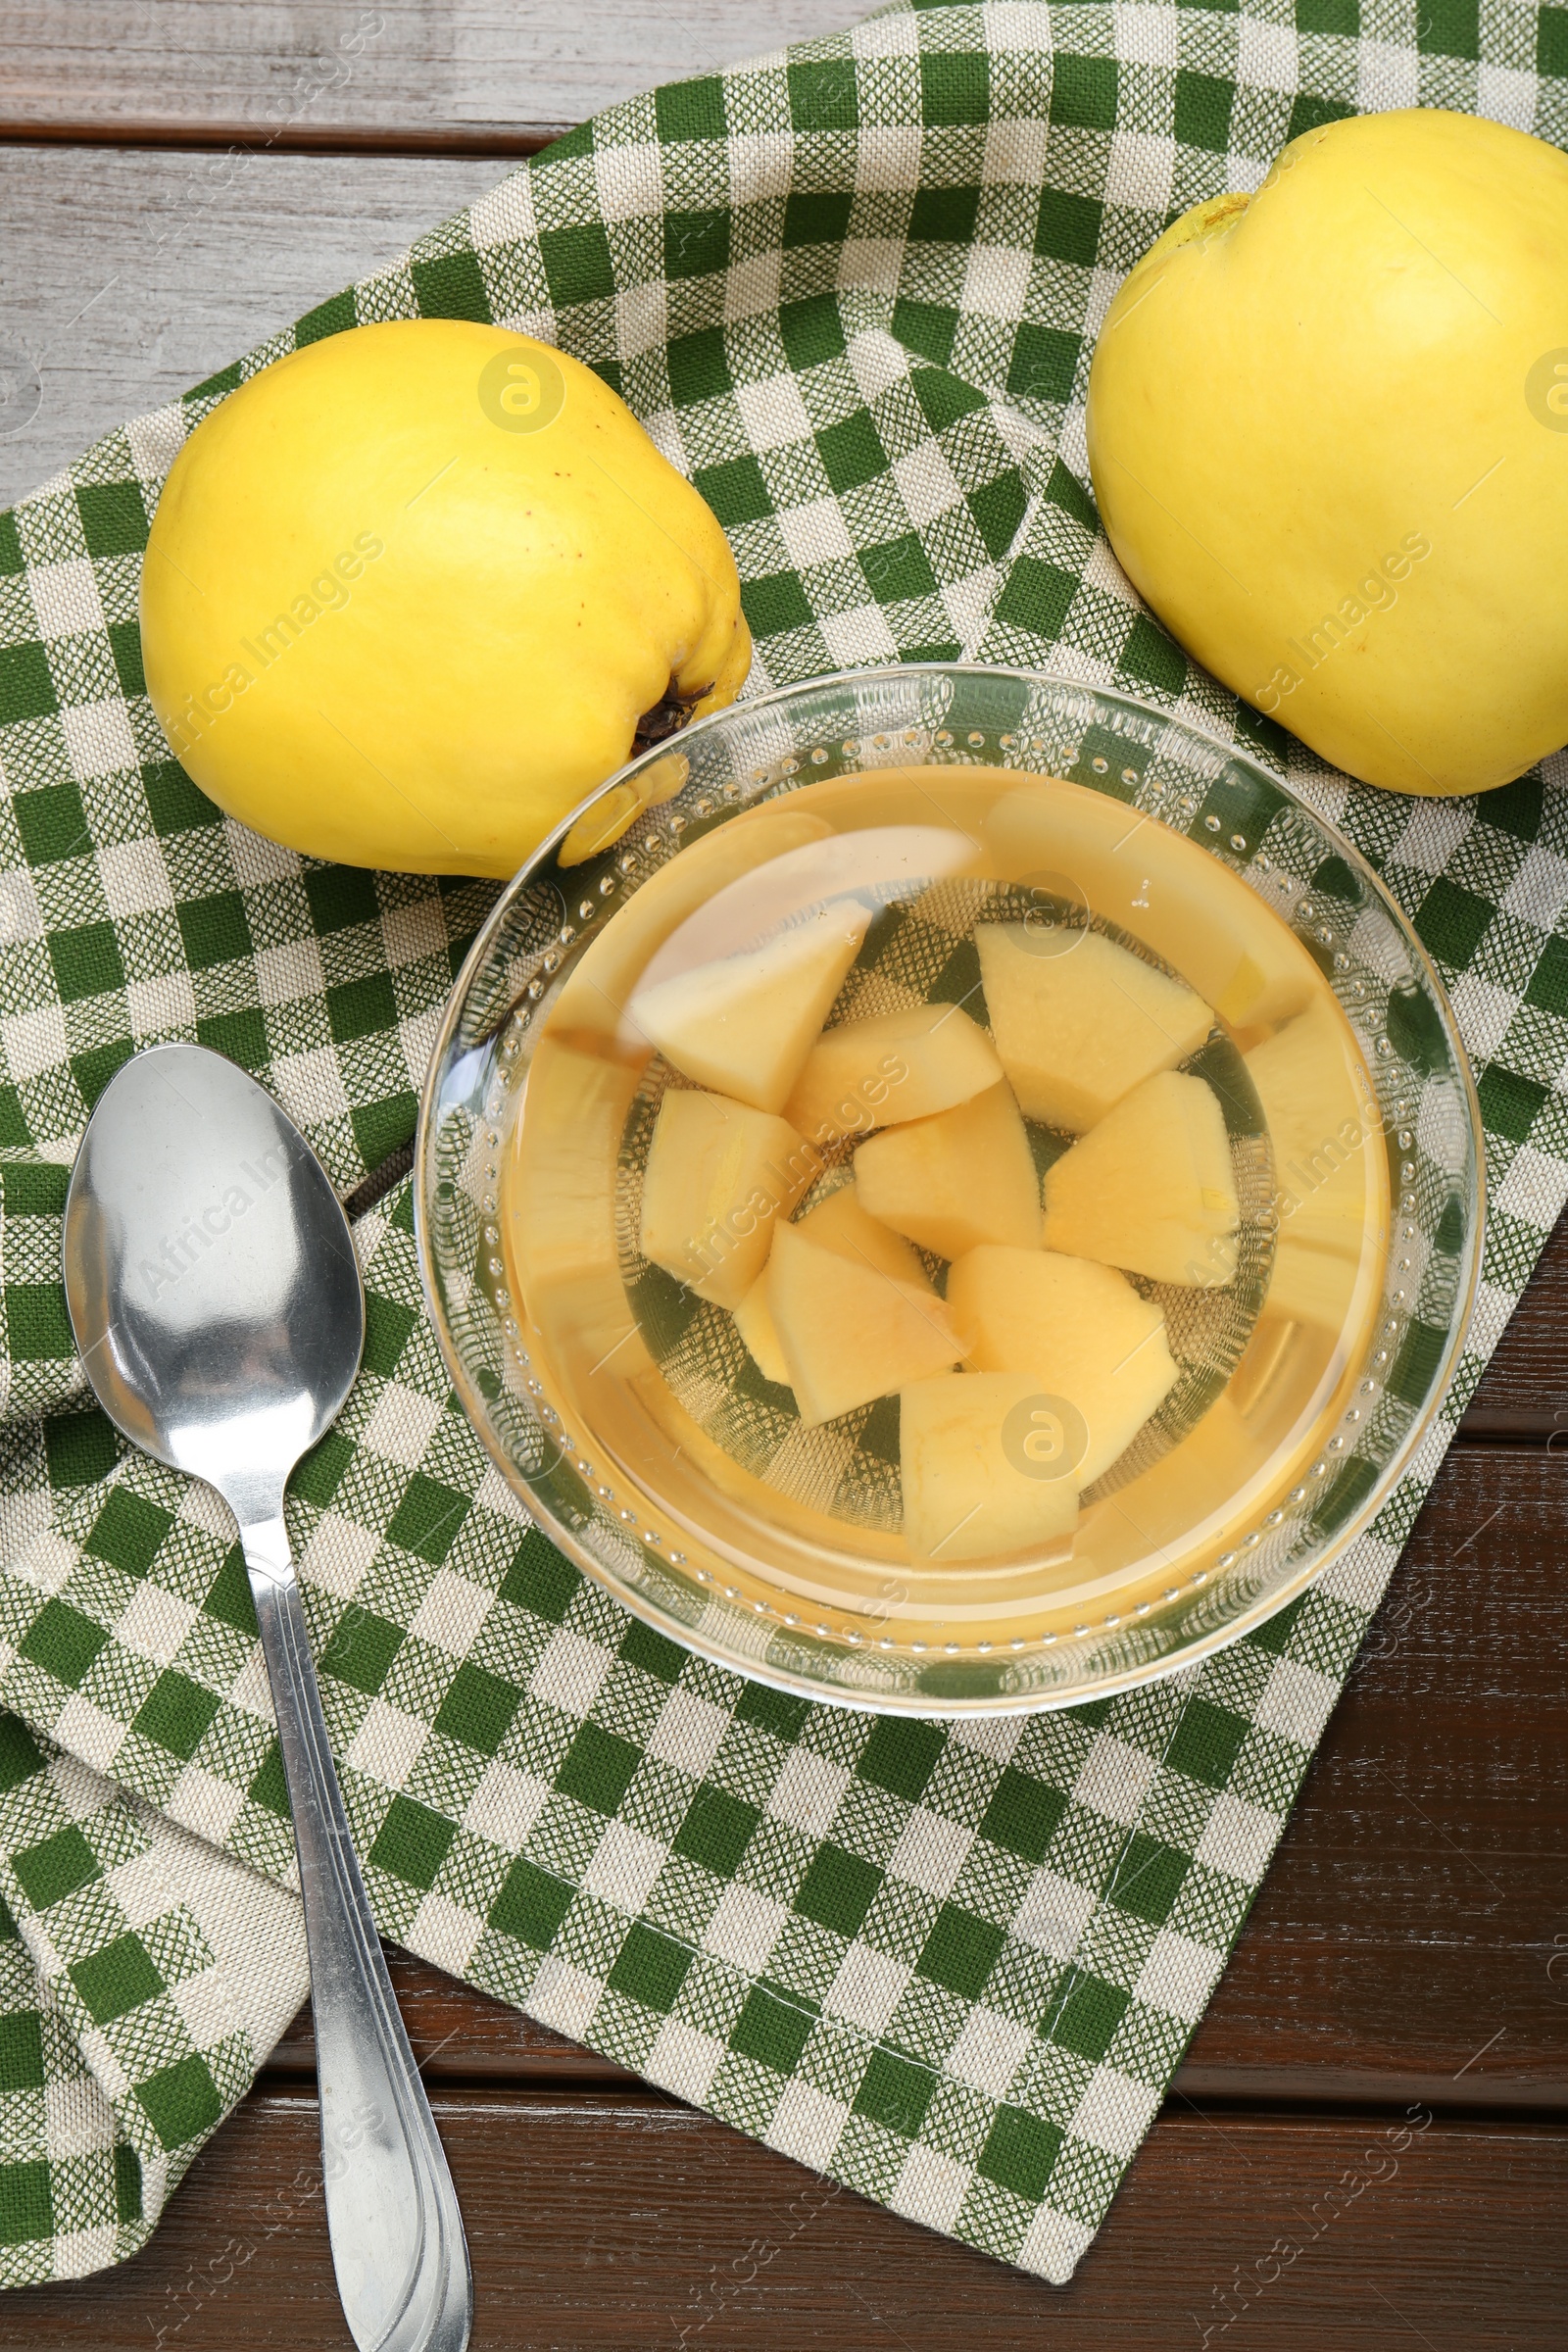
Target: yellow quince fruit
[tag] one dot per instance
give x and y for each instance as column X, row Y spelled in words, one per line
column 413, row 591
column 1328, row 433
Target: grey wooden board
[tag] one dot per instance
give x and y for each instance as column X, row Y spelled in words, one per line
column 127, row 278
column 403, row 64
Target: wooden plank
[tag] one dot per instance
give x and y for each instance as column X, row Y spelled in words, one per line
column 125, row 278
column 459, row 2036
column 483, row 75
column 1420, row 1895
column 1525, row 1387
column 614, row 2221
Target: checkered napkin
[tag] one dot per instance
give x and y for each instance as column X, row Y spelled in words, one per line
column 851, row 289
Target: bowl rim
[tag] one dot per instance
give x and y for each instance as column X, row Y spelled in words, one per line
column 924, row 1705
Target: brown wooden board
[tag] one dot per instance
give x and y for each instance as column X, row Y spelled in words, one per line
column 616, row 2221
column 1525, row 1389
column 1418, row 1907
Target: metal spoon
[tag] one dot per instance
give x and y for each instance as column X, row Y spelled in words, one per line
column 217, row 1303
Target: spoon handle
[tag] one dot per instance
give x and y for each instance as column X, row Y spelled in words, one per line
column 397, row 2246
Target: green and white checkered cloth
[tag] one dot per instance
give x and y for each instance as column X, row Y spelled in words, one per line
column 851, row 288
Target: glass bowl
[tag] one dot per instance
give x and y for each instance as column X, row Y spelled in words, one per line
column 674, row 1531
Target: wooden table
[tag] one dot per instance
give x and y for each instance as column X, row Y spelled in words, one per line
column 177, row 178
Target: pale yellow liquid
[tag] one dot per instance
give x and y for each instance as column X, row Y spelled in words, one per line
column 682, row 1467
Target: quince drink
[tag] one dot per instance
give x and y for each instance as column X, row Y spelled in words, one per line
column 942, row 1193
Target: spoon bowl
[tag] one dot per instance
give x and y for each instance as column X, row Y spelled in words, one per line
column 213, row 1285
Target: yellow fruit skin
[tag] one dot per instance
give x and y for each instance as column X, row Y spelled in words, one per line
column 381, row 626
column 1334, row 399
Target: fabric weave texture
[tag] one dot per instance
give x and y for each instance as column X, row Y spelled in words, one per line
column 851, row 289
